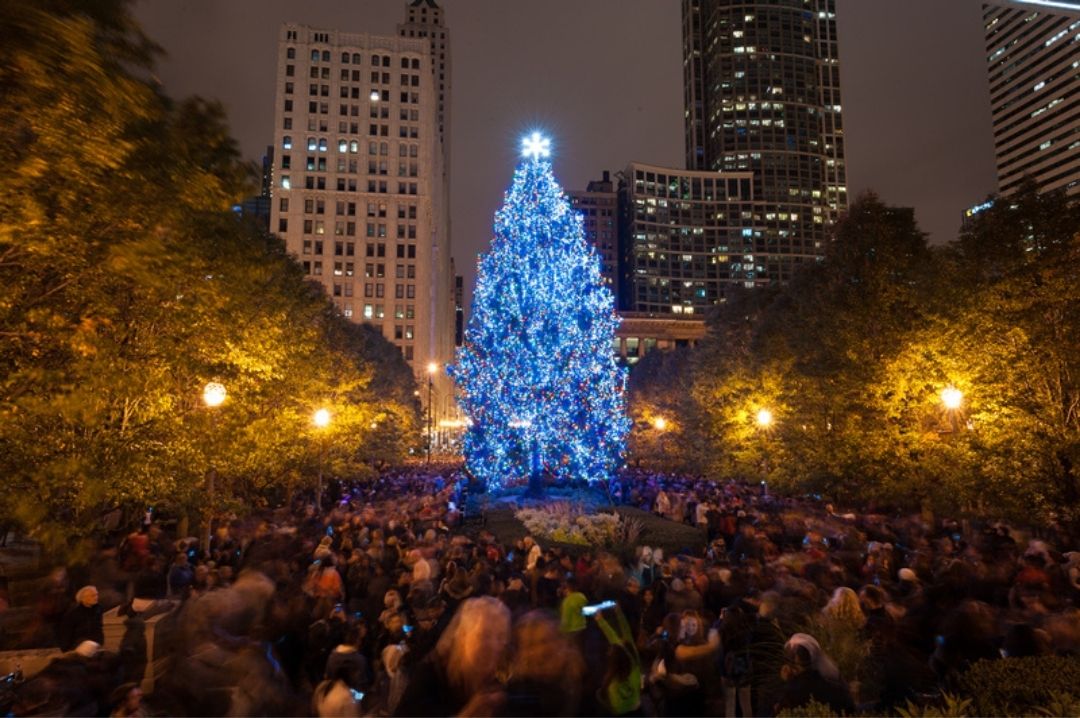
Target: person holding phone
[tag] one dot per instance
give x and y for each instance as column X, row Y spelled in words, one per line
column 620, row 688
column 334, row 697
column 347, row 662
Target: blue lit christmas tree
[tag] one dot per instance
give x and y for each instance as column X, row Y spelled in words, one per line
column 538, row 374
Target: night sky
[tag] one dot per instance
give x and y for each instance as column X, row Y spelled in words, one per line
column 603, row 78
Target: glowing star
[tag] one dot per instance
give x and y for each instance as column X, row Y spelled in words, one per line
column 535, row 146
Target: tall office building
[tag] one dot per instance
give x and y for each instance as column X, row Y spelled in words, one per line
column 424, row 19
column 686, row 238
column 1033, row 58
column 360, row 190
column 459, row 310
column 762, row 95
column 599, row 207
column 258, row 207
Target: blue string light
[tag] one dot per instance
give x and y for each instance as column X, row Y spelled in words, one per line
column 537, row 374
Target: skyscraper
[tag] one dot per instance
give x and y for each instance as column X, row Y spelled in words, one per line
column 599, row 207
column 762, row 94
column 424, row 19
column 1033, row 60
column 686, row 238
column 360, row 189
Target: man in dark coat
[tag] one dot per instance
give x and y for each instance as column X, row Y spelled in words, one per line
column 82, row 622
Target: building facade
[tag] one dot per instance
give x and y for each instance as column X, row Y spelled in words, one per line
column 762, row 95
column 359, row 183
column 459, row 310
column 599, row 207
column 640, row 334
column 686, row 238
column 257, row 208
column 1033, row 62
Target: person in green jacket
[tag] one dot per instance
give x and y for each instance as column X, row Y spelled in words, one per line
column 571, row 619
column 620, row 690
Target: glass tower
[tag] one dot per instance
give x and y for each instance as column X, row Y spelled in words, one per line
column 1033, row 61
column 762, row 94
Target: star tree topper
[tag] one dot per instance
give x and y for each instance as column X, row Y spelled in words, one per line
column 535, row 146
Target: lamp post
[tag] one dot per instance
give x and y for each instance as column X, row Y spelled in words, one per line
column 321, row 420
column 764, row 420
column 432, row 368
column 952, row 398
column 213, row 396
column 660, row 424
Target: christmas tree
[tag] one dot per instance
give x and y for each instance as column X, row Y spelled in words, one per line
column 538, row 375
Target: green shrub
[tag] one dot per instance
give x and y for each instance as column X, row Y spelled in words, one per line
column 1021, row 686
column 950, row 707
column 813, row 709
column 1061, row 705
column 844, row 643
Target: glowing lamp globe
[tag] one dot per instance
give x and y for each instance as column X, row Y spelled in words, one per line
column 952, row 397
column 764, row 418
column 432, row 368
column 660, row 423
column 374, row 95
column 213, row 394
column 321, row 418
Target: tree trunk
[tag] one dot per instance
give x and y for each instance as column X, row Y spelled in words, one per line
column 536, row 473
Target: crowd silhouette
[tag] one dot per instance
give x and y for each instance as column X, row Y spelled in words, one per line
column 394, row 601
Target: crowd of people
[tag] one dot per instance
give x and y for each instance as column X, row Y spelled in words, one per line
column 391, row 601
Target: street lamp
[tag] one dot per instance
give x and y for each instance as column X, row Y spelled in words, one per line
column 952, row 398
column 321, row 420
column 661, row 424
column 764, row 421
column 213, row 396
column 432, row 368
